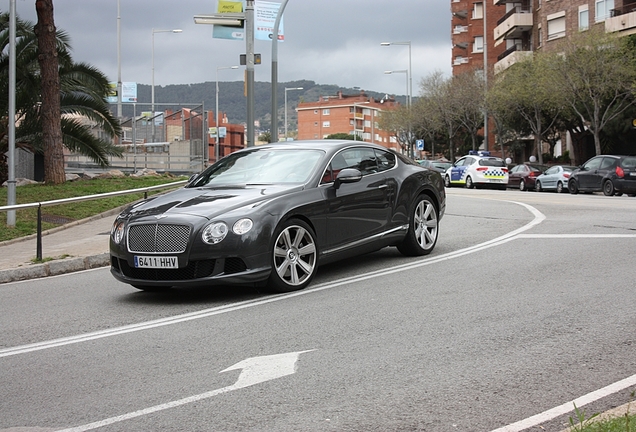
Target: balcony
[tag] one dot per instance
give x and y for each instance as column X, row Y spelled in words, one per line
column 622, row 20
column 513, row 24
column 511, row 56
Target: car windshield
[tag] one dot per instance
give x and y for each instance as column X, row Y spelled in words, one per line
column 262, row 166
column 492, row 162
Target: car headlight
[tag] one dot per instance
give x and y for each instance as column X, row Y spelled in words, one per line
column 214, row 233
column 242, row 226
column 117, row 232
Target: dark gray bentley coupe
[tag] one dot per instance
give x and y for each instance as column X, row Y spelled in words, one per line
column 270, row 215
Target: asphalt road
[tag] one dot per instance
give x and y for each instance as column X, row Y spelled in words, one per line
column 526, row 304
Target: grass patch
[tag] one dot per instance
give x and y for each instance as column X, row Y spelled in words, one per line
column 595, row 423
column 53, row 216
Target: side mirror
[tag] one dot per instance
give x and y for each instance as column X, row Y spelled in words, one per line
column 347, row 175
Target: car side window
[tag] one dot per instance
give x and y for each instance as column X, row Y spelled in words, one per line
column 608, row 163
column 362, row 159
column 386, row 160
column 592, row 164
column 552, row 170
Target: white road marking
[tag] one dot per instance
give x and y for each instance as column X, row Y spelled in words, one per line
column 255, row 370
column 568, row 406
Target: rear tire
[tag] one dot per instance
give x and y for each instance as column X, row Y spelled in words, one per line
column 522, row 186
column 294, row 257
column 421, row 236
column 447, row 182
column 559, row 188
column 608, row 188
column 469, row 183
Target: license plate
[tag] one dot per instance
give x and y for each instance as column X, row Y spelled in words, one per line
column 632, row 174
column 160, row 262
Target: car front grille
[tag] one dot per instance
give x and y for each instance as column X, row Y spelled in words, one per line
column 158, row 238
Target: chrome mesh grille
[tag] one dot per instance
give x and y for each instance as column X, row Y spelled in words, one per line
column 158, row 238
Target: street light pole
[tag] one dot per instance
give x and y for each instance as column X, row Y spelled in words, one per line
column 152, row 89
column 216, row 112
column 249, row 69
column 286, row 90
column 119, row 84
column 410, row 74
column 404, row 71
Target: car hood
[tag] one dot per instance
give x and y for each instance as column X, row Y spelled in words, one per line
column 207, row 202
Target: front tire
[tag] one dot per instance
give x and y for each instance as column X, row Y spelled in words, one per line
column 608, row 188
column 538, row 187
column 294, row 257
column 421, row 236
column 573, row 187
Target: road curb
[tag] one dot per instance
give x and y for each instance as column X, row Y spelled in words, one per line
column 54, row 268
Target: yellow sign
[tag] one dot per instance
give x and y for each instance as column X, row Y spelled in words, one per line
column 230, row 7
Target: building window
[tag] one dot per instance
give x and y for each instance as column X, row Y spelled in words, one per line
column 540, row 35
column 584, row 18
column 460, row 60
column 603, row 9
column 478, row 10
column 556, row 25
column 325, row 111
column 326, row 124
column 478, row 44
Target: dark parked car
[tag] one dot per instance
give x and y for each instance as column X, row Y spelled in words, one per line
column 437, row 165
column 269, row 215
column 523, row 176
column 614, row 175
column 554, row 178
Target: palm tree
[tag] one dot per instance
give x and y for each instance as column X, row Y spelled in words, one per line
column 83, row 92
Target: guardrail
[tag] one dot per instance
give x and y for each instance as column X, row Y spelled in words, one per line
column 39, row 205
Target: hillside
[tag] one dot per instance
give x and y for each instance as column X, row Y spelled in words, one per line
column 232, row 100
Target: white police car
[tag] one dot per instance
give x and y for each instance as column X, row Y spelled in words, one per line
column 477, row 169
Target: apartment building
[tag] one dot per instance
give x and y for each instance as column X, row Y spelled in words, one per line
column 356, row 115
column 532, row 25
column 472, row 35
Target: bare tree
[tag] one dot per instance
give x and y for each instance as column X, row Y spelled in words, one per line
column 437, row 90
column 51, row 113
column 468, row 93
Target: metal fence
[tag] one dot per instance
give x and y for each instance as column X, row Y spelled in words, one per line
column 39, row 205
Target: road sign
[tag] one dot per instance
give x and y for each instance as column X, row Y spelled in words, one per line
column 420, row 144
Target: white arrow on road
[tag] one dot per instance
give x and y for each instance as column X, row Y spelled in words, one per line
column 255, row 370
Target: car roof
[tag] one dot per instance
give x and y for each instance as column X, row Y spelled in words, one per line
column 326, row 145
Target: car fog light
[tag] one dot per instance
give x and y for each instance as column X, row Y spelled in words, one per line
column 214, row 233
column 242, row 226
column 117, row 232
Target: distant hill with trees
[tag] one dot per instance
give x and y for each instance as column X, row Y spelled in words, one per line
column 232, row 100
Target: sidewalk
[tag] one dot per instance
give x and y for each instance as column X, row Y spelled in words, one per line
column 80, row 245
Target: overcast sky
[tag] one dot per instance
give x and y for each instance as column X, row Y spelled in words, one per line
column 326, row 41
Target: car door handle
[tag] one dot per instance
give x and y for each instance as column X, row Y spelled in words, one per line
column 383, row 186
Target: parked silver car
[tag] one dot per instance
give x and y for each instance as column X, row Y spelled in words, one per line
column 554, row 178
